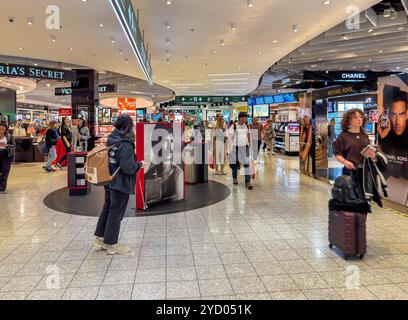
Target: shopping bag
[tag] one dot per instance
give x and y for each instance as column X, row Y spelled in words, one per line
column 211, row 161
column 252, row 167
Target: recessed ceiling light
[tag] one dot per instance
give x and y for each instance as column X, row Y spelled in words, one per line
column 167, row 52
column 371, row 59
column 303, row 53
column 295, row 28
column 30, row 21
column 222, row 42
column 320, row 59
column 250, row 3
column 169, row 2
column 167, row 40
column 113, row 40
column 398, row 68
column 275, row 41
column 167, row 25
column 53, row 38
column 101, row 24
column 259, row 52
column 48, row 85
column 344, row 37
column 233, row 27
column 326, row 2
column 370, row 30
column 400, row 28
column 20, row 48
column 120, row 51
column 36, row 64
column 380, row 51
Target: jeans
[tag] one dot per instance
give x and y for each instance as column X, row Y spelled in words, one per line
column 52, row 155
column 240, row 156
column 67, row 150
column 5, row 165
column 256, row 148
column 113, row 211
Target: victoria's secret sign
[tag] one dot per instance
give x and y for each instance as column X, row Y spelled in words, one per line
column 22, row 71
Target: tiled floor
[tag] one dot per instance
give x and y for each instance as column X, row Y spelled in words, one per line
column 270, row 243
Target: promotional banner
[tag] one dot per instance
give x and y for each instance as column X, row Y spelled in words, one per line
column 161, row 146
column 306, row 145
column 393, row 134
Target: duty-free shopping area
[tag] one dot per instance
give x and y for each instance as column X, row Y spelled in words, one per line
column 193, row 232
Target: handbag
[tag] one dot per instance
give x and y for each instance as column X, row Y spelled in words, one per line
column 42, row 146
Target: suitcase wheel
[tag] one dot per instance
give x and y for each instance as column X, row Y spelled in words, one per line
column 346, row 257
column 361, row 257
column 330, row 245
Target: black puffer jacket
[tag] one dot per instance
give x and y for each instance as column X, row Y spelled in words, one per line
column 122, row 155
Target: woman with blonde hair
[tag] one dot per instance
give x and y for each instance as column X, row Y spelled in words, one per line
column 219, row 144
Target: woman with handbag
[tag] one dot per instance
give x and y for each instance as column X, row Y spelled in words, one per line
column 51, row 139
column 6, row 155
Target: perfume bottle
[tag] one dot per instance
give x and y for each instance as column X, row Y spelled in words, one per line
column 384, row 120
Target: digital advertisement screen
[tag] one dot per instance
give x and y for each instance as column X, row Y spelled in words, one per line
column 260, row 100
column 289, row 97
column 261, row 111
column 279, row 98
column 251, row 101
column 140, row 113
column 269, row 100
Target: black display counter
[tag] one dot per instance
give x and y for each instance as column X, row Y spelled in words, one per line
column 26, row 151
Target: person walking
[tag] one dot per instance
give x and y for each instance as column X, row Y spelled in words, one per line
column 256, row 137
column 270, row 137
column 240, row 150
column 122, row 159
column 219, row 144
column 331, row 136
column 66, row 136
column 7, row 145
column 51, row 139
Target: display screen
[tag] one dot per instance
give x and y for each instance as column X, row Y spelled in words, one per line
column 279, row 98
column 373, row 116
column 251, row 101
column 289, row 97
column 260, row 100
column 156, row 117
column 369, row 128
column 261, row 111
column 7, row 101
column 269, row 100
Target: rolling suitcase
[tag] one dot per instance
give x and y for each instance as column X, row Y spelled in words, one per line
column 347, row 232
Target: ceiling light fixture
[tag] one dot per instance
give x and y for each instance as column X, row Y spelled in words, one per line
column 250, row 3
column 101, row 24
column 400, row 28
column 168, row 61
column 30, row 21
column 53, row 38
column 275, row 41
column 233, row 27
column 167, row 25
column 167, row 52
column 113, row 40
column 20, row 48
column 71, row 49
column 222, row 42
column 344, row 37
column 259, row 52
column 380, row 51
column 370, row 30
column 120, row 51
column 167, row 40
column 327, row 2
column 169, row 2
column 295, row 28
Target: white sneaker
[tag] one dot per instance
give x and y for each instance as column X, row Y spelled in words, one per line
column 98, row 244
column 117, row 249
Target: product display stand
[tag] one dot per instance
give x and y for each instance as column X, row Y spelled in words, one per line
column 77, row 184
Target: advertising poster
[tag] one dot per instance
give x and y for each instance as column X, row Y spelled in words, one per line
column 161, row 146
column 393, row 134
column 321, row 137
column 306, row 151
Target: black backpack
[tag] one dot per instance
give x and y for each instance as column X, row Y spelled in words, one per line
column 347, row 191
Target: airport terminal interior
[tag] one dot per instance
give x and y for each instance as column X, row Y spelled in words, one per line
column 204, row 150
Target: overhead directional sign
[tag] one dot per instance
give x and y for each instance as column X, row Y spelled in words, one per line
column 210, row 99
column 130, row 24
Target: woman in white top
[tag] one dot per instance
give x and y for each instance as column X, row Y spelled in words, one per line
column 219, row 144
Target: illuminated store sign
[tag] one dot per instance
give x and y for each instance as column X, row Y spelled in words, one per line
column 107, row 88
column 354, row 76
column 22, row 71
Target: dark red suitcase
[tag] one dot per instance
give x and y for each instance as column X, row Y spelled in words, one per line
column 347, row 232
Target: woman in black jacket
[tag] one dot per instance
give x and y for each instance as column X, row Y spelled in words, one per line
column 51, row 139
column 122, row 156
column 6, row 155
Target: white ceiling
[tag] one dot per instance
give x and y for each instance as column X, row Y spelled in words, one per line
column 256, row 27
